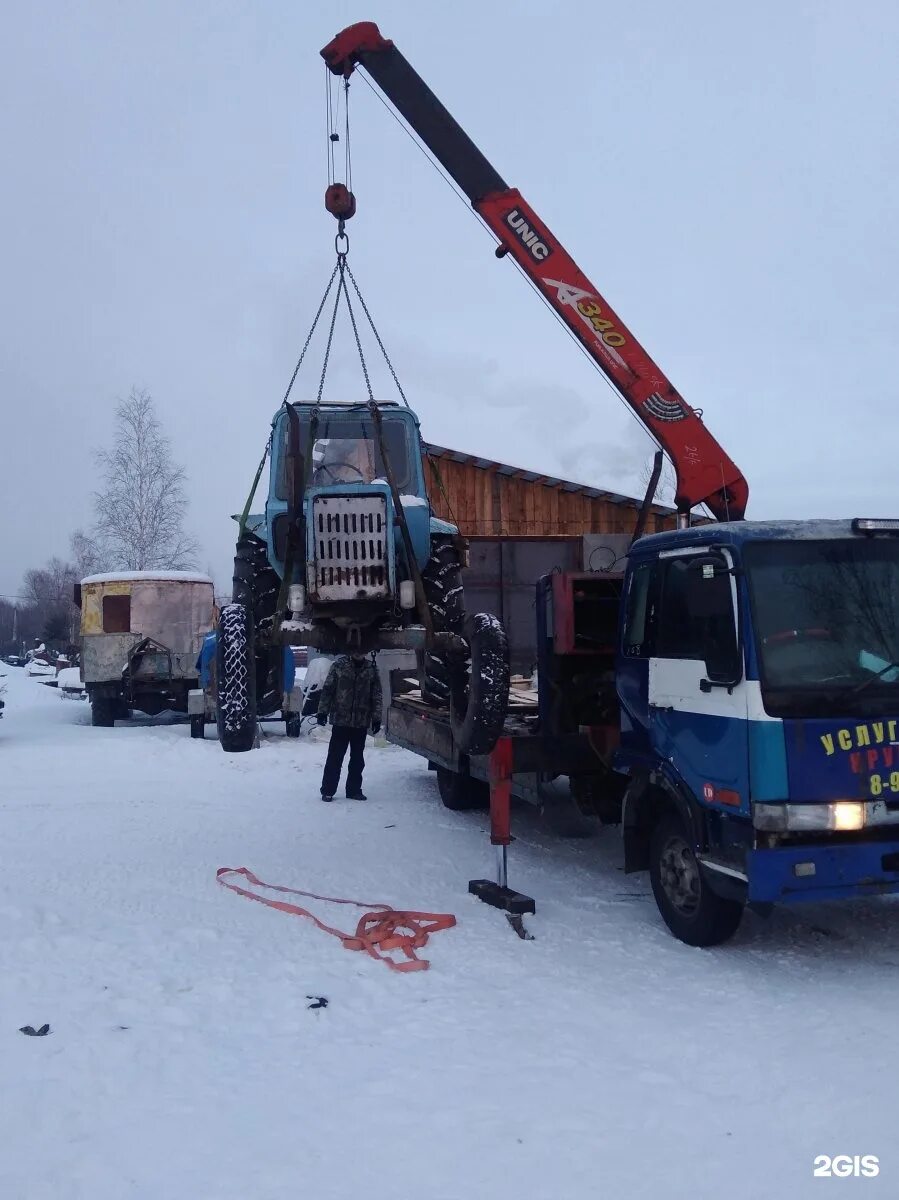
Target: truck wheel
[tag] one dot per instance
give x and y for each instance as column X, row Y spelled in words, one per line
column 103, row 712
column 197, row 725
column 564, row 816
column 442, row 581
column 479, row 687
column 236, row 679
column 690, row 909
column 460, row 792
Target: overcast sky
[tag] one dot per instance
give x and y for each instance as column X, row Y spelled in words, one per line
column 727, row 175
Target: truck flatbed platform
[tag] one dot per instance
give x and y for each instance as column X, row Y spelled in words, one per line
column 540, row 765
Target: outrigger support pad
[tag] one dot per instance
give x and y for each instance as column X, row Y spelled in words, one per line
column 497, row 895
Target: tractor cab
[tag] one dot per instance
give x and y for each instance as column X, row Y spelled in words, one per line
column 342, row 470
column 346, row 448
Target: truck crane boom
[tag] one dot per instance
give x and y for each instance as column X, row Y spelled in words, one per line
column 705, row 473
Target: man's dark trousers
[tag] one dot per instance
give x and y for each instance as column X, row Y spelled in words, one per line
column 341, row 737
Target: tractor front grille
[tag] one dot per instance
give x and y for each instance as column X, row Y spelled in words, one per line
column 350, row 561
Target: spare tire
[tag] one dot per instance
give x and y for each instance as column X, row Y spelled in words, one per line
column 235, row 706
column 479, row 685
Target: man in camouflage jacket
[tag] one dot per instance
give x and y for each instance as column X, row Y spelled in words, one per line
column 351, row 697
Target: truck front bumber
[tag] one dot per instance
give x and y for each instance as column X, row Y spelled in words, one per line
column 847, row 869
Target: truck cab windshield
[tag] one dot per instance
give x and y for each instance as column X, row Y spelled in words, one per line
column 826, row 622
column 346, row 451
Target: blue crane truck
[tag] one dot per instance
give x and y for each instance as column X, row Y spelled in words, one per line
column 730, row 701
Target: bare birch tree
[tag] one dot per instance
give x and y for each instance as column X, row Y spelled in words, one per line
column 140, row 508
column 86, row 554
column 48, row 592
column 667, row 484
column 50, row 587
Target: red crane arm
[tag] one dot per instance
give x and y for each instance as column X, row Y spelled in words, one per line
column 705, row 473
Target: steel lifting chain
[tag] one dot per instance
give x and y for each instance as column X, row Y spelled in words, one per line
column 311, row 332
column 341, row 272
column 344, row 271
column 374, row 330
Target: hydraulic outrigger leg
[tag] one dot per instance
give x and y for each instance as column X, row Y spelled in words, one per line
column 498, row 894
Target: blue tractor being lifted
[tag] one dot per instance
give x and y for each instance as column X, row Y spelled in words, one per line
column 348, row 556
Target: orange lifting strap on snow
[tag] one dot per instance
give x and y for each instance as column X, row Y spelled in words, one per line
column 381, row 928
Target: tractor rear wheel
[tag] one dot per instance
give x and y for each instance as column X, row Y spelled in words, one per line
column 479, row 685
column 256, row 585
column 442, row 580
column 235, row 679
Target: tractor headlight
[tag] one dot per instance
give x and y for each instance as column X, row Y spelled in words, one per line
column 296, row 597
column 842, row 816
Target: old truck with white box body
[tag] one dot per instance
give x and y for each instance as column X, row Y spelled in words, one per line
column 141, row 633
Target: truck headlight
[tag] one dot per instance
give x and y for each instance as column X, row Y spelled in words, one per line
column 843, row 816
column 407, row 593
column 848, row 815
column 296, row 597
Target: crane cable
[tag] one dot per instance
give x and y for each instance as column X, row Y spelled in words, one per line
column 341, row 268
column 342, row 271
column 332, row 124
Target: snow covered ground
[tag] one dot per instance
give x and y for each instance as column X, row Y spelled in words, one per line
column 603, row 1060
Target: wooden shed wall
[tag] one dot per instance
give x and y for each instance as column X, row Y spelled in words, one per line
column 484, row 501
